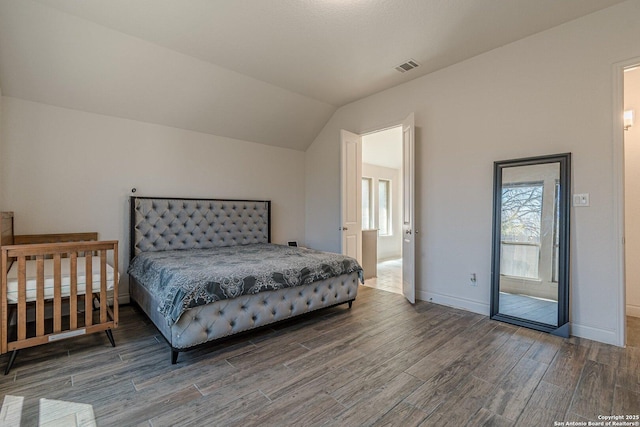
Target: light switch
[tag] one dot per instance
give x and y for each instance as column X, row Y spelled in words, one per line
column 581, row 199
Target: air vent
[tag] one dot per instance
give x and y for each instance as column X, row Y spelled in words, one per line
column 409, row 65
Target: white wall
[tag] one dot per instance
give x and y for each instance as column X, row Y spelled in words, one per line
column 389, row 247
column 632, row 193
column 1, row 156
column 66, row 170
column 549, row 93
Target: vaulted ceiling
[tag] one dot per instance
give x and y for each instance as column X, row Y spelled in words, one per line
column 267, row 71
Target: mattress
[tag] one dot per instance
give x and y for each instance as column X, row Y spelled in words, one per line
column 65, row 270
column 183, row 279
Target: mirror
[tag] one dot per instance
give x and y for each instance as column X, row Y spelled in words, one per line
column 530, row 265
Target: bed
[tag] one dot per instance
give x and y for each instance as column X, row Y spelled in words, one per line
column 55, row 286
column 205, row 269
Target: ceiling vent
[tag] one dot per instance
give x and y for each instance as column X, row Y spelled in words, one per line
column 409, row 65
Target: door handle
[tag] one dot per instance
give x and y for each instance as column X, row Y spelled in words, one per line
column 344, row 228
column 408, row 231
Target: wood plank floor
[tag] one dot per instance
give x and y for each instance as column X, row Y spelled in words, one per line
column 381, row 363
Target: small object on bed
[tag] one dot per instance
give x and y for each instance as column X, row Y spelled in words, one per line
column 203, row 270
column 67, row 273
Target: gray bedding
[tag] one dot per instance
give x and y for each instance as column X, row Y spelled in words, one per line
column 183, row 279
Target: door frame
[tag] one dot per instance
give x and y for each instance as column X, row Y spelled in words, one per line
column 360, row 134
column 618, row 192
column 395, row 124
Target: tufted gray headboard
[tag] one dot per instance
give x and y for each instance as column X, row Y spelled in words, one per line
column 160, row 224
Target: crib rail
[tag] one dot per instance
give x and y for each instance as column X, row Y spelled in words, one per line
column 83, row 317
column 30, row 239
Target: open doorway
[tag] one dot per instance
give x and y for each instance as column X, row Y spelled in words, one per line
column 632, row 203
column 351, row 203
column 381, row 209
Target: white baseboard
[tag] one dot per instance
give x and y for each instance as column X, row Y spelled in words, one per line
column 633, row 310
column 588, row 332
column 595, row 334
column 455, row 302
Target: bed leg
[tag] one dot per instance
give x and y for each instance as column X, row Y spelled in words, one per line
column 109, row 333
column 12, row 359
column 174, row 356
column 350, row 303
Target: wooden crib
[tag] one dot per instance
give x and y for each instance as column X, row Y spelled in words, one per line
column 45, row 280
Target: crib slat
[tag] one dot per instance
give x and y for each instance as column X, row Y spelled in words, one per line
column 73, row 291
column 103, row 286
column 39, row 295
column 57, row 294
column 88, row 293
column 22, row 298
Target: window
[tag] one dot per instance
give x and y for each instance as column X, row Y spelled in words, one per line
column 367, row 203
column 521, row 223
column 384, row 207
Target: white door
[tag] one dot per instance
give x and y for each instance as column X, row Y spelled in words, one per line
column 408, row 210
column 351, row 180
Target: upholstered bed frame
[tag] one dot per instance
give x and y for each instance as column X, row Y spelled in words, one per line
column 159, row 224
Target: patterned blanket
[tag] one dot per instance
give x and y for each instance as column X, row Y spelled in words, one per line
column 183, row 279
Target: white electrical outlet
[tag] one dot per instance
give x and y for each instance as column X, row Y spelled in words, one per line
column 581, row 199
